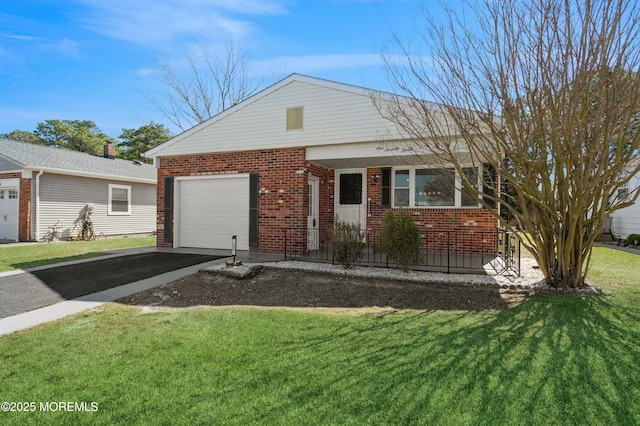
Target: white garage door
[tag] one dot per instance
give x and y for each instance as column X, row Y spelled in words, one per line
column 212, row 210
column 9, row 214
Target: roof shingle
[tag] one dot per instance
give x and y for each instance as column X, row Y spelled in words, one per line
column 30, row 156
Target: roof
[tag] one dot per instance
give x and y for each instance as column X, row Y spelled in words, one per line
column 61, row 161
column 327, row 84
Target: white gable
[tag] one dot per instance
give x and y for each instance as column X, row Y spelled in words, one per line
column 333, row 113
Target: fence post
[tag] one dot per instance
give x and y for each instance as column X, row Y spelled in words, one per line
column 285, row 242
column 448, row 252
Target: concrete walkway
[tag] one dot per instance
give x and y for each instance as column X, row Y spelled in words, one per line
column 70, row 307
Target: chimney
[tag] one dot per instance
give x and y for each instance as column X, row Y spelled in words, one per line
column 110, row 151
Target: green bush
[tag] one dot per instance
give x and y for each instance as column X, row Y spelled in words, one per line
column 400, row 238
column 347, row 242
column 631, row 238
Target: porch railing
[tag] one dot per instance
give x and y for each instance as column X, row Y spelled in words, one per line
column 441, row 251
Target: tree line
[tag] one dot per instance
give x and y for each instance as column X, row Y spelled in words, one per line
column 86, row 136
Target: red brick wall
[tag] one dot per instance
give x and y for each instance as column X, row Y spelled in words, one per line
column 282, row 182
column 466, row 228
column 24, row 213
column 283, row 200
column 325, row 205
column 24, row 208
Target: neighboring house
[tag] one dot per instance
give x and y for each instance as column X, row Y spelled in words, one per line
column 627, row 220
column 296, row 155
column 42, row 187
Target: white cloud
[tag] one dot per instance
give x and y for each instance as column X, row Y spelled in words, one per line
column 20, row 37
column 64, row 47
column 144, row 72
column 313, row 63
column 154, row 21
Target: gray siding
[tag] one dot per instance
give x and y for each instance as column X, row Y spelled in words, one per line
column 63, row 198
column 8, row 165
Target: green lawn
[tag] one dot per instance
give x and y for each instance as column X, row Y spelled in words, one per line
column 31, row 255
column 571, row 359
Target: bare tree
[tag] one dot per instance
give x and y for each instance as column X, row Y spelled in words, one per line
column 546, row 93
column 209, row 85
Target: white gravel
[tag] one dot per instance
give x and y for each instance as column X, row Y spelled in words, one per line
column 530, row 277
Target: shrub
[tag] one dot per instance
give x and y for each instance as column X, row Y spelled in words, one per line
column 400, row 238
column 632, row 238
column 347, row 242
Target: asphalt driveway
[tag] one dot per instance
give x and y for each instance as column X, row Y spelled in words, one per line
column 31, row 290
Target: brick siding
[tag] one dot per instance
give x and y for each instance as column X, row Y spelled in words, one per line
column 474, row 228
column 283, row 200
column 282, row 183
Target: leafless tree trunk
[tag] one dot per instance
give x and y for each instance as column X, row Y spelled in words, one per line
column 209, row 85
column 545, row 91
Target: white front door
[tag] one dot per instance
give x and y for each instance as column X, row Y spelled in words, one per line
column 312, row 213
column 351, row 196
column 9, row 214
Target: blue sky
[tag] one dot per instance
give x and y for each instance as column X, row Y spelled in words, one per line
column 98, row 59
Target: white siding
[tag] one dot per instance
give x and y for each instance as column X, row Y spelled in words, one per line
column 62, row 198
column 627, row 220
column 331, row 116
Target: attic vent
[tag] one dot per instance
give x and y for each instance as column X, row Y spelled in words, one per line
column 294, row 118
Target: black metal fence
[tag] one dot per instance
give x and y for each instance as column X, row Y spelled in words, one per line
column 441, row 251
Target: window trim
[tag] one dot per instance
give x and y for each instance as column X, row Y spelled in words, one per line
column 110, row 211
column 412, row 189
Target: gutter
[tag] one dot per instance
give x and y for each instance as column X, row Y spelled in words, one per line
column 37, row 218
column 97, row 175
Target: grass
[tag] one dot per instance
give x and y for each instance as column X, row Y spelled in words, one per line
column 31, row 255
column 570, row 359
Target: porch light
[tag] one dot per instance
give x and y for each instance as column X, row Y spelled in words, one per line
column 375, row 177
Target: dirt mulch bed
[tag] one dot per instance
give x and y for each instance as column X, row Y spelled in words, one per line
column 291, row 288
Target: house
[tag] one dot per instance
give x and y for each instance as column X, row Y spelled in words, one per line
column 626, row 221
column 293, row 157
column 42, row 188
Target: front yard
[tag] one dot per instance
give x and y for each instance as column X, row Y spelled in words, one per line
column 570, row 359
column 21, row 256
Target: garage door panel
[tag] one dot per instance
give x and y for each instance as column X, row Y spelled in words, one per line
column 212, row 210
column 9, row 214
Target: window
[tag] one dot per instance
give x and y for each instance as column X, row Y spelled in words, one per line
column 294, row 118
column 385, row 193
column 119, row 199
column 351, row 188
column 468, row 198
column 10, row 194
column 401, row 188
column 433, row 187
column 623, row 193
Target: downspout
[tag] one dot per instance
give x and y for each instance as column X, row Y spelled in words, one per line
column 37, row 218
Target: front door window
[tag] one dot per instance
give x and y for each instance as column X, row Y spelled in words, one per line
column 351, row 188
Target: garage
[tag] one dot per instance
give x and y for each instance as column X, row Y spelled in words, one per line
column 211, row 210
column 8, row 214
